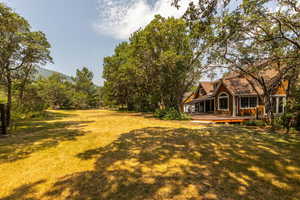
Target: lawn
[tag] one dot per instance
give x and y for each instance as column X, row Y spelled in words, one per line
column 109, row 155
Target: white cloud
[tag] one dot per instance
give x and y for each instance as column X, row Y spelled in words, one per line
column 120, row 18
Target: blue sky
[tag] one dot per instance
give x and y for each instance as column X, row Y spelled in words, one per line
column 83, row 32
column 68, row 25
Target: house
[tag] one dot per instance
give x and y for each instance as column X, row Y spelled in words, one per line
column 233, row 95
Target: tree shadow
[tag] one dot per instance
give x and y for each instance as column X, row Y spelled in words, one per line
column 24, row 192
column 37, row 135
column 213, row 163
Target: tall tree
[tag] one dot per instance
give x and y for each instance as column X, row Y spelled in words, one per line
column 156, row 67
column 85, row 90
column 19, row 47
column 55, row 90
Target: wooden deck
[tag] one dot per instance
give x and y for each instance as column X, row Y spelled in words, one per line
column 218, row 118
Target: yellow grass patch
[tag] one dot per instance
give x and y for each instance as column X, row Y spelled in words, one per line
column 98, row 154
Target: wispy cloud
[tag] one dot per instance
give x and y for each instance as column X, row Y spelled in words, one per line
column 120, row 18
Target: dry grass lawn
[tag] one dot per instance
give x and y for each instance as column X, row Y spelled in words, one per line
column 108, row 155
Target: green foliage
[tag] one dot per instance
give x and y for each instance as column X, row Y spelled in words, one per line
column 291, row 118
column 20, row 49
column 59, row 93
column 287, row 120
column 170, row 114
column 254, row 123
column 56, row 91
column 156, row 67
column 2, row 95
column 86, row 94
column 160, row 113
column 297, row 124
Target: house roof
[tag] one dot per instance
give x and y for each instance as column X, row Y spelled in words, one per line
column 236, row 84
column 239, row 85
column 207, row 86
column 187, row 97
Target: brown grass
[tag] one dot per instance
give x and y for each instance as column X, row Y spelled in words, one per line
column 109, row 155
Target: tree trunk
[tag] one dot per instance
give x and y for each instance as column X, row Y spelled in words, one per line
column 269, row 106
column 9, row 99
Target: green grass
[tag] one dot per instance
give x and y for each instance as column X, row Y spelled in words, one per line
column 112, row 155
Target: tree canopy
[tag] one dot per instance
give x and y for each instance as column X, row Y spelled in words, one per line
column 155, row 68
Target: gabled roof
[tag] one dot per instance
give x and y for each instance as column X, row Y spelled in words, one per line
column 207, row 86
column 239, row 85
column 187, row 97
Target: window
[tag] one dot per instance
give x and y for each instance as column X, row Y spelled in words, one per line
column 223, row 101
column 281, row 105
column 248, row 102
column 253, row 102
column 274, row 102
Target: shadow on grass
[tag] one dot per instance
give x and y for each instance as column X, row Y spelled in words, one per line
column 214, row 163
column 24, row 192
column 36, row 135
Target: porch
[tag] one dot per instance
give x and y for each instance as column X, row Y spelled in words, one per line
column 219, row 118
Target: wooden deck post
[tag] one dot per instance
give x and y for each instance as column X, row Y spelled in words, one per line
column 3, row 119
column 233, row 106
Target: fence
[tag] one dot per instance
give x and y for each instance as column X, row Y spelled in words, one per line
column 3, row 127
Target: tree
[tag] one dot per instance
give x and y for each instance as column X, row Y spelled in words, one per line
column 164, row 50
column 155, row 68
column 121, row 83
column 85, row 91
column 56, row 91
column 19, row 47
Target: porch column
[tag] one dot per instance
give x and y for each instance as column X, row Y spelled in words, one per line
column 233, row 107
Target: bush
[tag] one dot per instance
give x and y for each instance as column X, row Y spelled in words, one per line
column 254, row 123
column 297, row 123
column 160, row 113
column 170, row 114
column 287, row 120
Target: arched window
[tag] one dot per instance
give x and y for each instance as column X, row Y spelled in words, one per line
column 223, row 100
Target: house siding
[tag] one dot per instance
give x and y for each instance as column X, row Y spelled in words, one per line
column 221, row 89
column 281, row 91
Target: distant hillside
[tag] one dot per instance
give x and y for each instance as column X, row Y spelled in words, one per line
column 40, row 72
column 46, row 73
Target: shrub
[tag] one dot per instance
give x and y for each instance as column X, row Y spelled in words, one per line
column 287, row 120
column 160, row 113
column 254, row 123
column 297, row 122
column 170, row 114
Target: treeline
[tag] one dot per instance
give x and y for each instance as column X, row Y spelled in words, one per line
column 21, row 50
column 162, row 61
column 57, row 92
column 31, row 98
